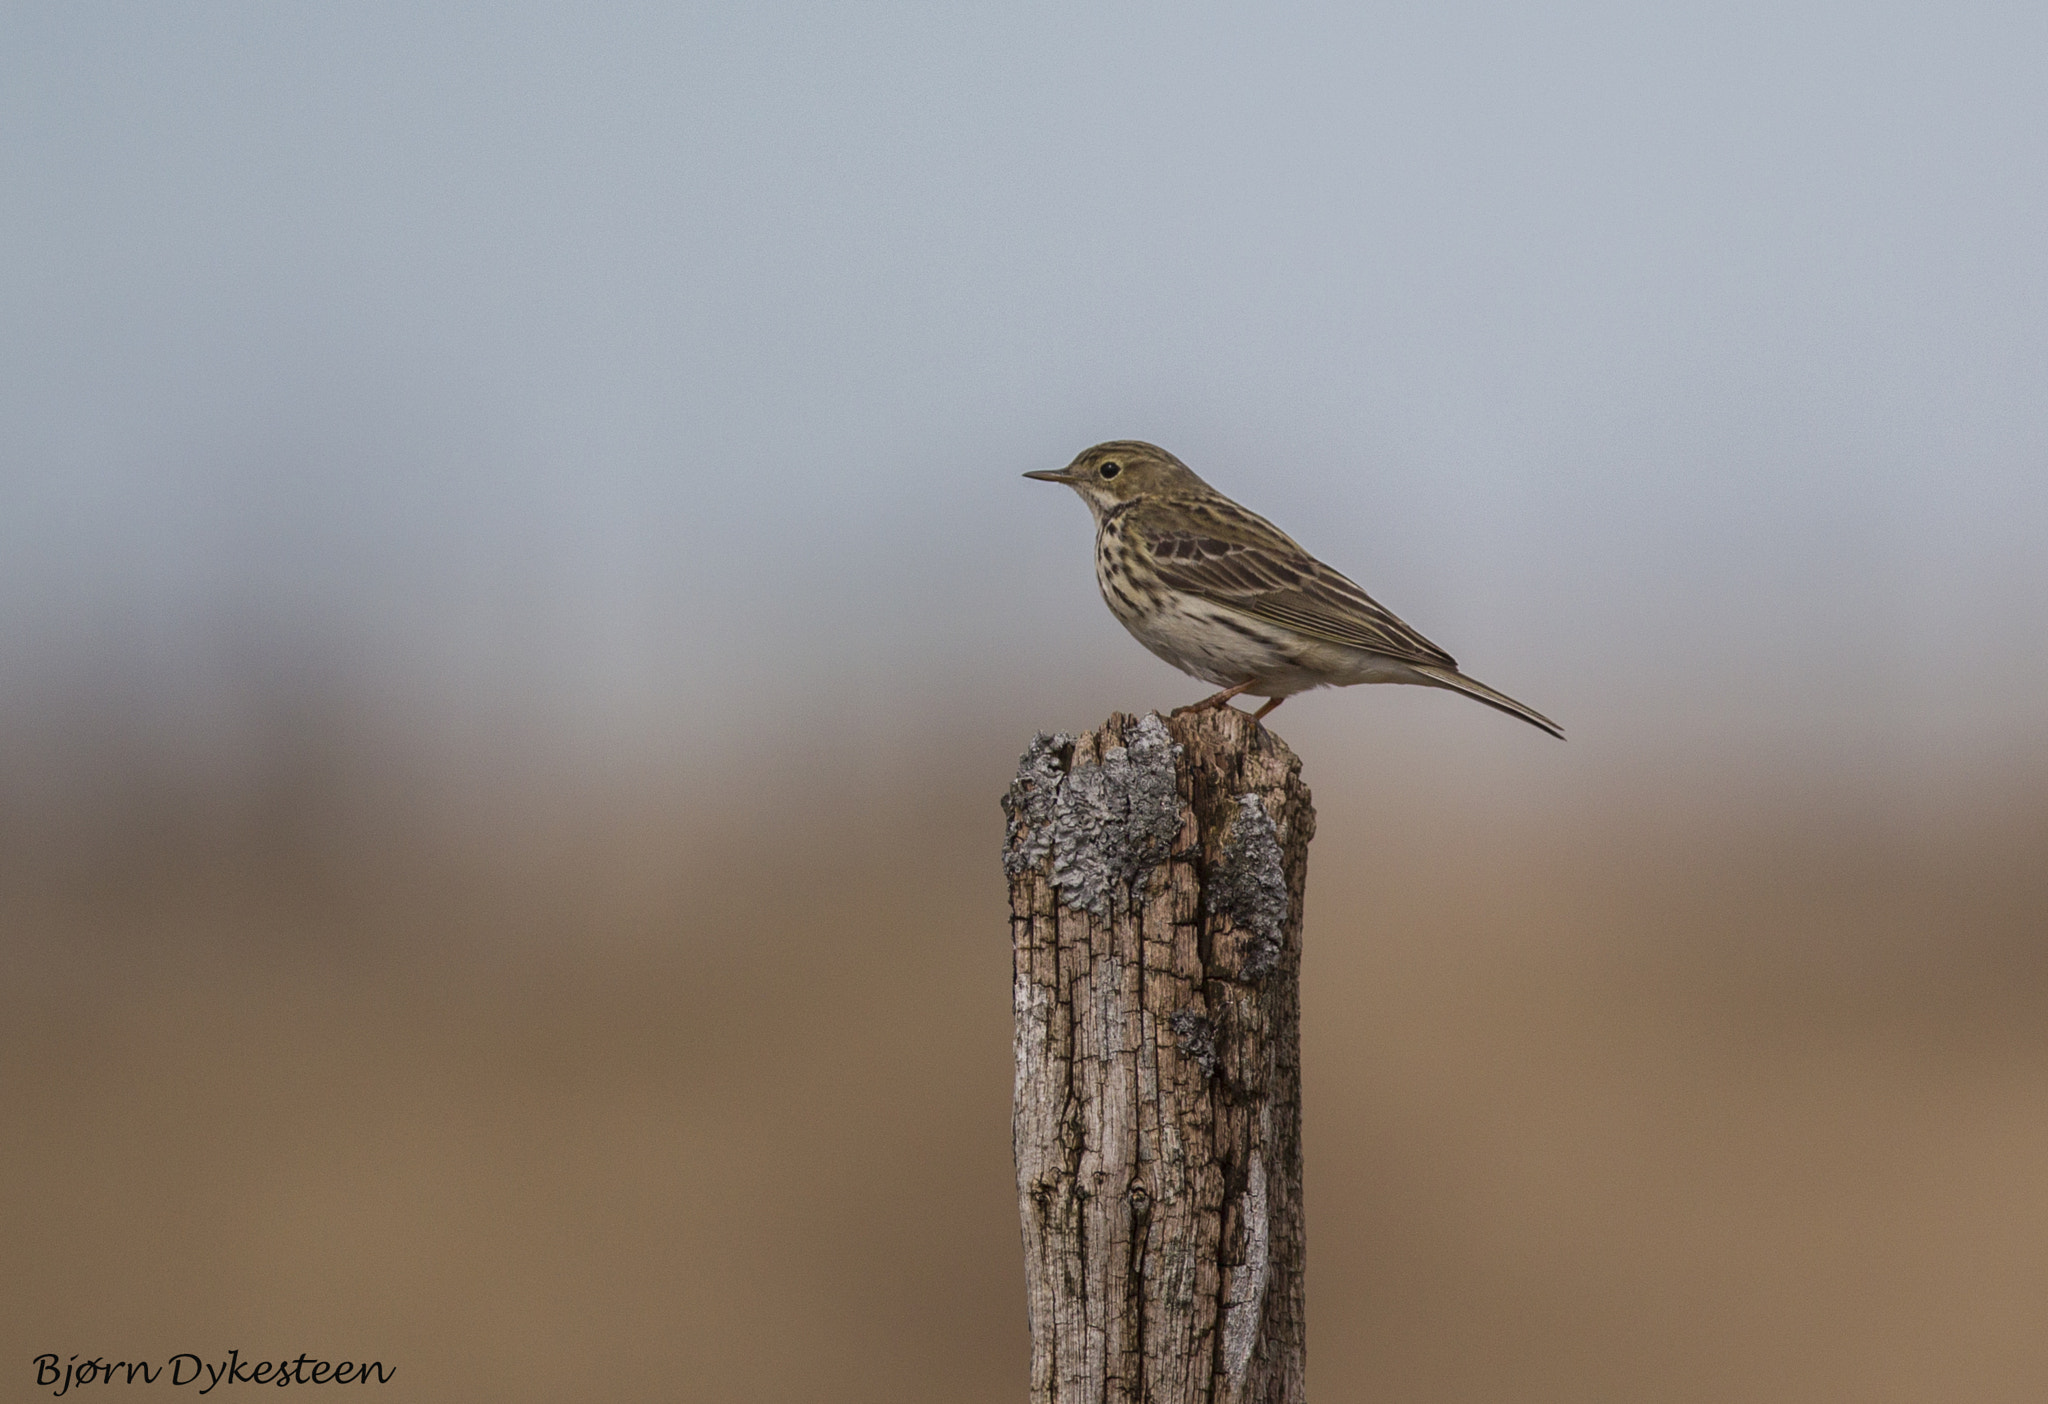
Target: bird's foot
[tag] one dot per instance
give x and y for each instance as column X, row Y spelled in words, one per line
column 1210, row 704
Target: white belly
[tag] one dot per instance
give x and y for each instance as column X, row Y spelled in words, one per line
column 1225, row 647
column 1217, row 645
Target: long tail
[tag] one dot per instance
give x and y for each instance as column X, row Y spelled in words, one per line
column 1479, row 691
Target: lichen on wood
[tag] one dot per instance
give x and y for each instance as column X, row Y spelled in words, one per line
column 1156, row 873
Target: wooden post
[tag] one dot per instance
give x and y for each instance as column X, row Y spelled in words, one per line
column 1156, row 875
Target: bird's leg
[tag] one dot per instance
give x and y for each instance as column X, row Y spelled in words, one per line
column 1271, row 703
column 1209, row 704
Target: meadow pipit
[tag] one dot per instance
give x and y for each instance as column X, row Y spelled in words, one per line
column 1224, row 594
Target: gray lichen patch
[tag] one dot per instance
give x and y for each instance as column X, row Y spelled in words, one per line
column 1250, row 884
column 1105, row 826
column 1153, row 792
column 1030, row 801
column 1116, row 821
column 1195, row 1036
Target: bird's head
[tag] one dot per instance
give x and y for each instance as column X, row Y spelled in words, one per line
column 1122, row 471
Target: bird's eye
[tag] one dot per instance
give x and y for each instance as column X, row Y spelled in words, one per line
column 1110, row 470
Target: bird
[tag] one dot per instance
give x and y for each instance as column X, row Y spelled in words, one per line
column 1224, row 595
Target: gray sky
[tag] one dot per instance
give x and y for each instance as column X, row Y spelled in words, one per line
column 1676, row 367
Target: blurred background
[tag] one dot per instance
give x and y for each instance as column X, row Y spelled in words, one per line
column 517, row 606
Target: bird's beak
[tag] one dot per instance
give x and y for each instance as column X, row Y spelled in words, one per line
column 1045, row 475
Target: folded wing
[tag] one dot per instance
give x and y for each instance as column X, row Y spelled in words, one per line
column 1245, row 563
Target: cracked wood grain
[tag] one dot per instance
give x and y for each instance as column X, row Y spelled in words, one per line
column 1156, row 874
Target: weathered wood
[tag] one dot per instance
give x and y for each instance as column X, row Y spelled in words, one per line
column 1156, row 875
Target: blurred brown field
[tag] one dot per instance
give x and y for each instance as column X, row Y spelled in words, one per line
column 517, row 608
column 1728, row 1086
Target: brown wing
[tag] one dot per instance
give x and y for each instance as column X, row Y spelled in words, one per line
column 1228, row 556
